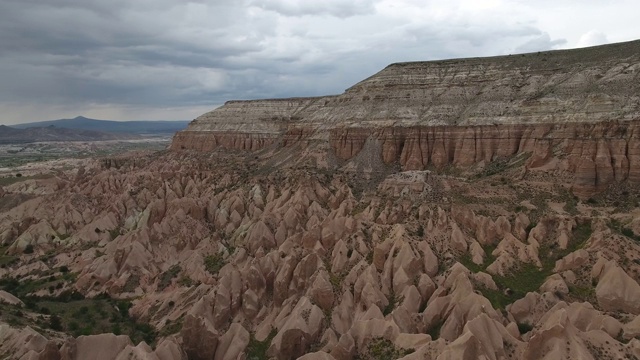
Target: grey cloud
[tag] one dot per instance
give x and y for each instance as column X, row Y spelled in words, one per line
column 151, row 54
column 77, row 51
column 337, row 8
column 541, row 43
column 465, row 40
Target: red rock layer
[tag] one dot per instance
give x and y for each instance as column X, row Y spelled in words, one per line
column 598, row 154
column 208, row 141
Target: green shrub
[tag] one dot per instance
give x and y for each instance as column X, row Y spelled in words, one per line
column 336, row 281
column 257, row 350
column 132, row 283
column 171, row 328
column 55, row 323
column 9, row 284
column 114, row 233
column 167, row 276
column 383, row 349
column 70, row 295
column 434, row 330
column 369, row 257
column 393, row 302
column 185, row 281
column 530, row 227
column 146, row 331
column 123, row 307
column 28, row 249
column 622, row 230
column 30, row 303
column 524, row 328
column 213, row 263
column 585, row 293
column 73, row 326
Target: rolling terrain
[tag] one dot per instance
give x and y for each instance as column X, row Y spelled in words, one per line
column 11, row 135
column 146, row 127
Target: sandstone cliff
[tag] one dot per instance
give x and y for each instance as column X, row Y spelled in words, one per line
column 581, row 104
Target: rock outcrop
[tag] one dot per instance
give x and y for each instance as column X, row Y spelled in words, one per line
column 578, row 106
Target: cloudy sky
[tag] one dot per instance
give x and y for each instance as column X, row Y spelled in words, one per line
column 176, row 59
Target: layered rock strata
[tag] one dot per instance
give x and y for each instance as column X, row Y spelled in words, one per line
column 581, row 104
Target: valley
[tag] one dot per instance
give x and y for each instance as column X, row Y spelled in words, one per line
column 461, row 209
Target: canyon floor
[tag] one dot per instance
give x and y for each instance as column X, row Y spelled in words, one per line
column 225, row 255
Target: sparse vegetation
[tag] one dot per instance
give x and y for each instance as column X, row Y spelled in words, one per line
column 186, row 281
column 24, row 287
column 618, row 227
column 6, row 260
column 132, row 283
column 74, row 314
column 115, row 233
column 28, row 249
column 502, row 165
column 383, row 349
column 171, row 328
column 213, row 263
column 527, row 277
column 530, row 227
column 369, row 257
column 336, row 281
column 571, row 202
column 5, row 181
column 393, row 302
column 55, row 323
column 524, row 328
column 167, row 276
column 257, row 350
column 434, row 330
column 583, row 292
column 465, row 259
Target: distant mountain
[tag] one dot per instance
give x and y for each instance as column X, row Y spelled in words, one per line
column 10, row 135
column 130, row 127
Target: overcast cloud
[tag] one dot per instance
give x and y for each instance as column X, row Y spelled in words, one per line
column 176, row 59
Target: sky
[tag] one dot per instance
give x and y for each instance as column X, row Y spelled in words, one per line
column 177, row 59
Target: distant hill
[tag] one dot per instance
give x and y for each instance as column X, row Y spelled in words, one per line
column 130, row 127
column 10, row 135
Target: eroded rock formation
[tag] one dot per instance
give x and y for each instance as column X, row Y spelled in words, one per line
column 336, row 239
column 582, row 105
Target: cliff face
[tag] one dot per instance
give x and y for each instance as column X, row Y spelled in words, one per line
column 598, row 153
column 581, row 106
